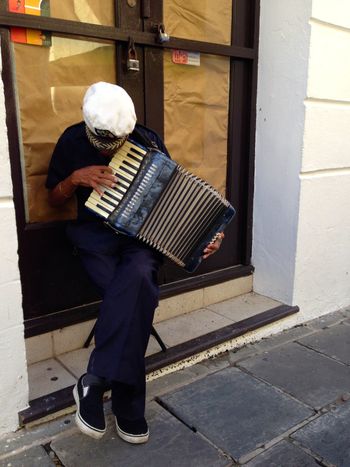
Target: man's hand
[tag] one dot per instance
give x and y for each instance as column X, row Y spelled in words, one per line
column 93, row 176
column 213, row 247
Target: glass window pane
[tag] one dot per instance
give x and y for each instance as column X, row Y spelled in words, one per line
column 196, row 116
column 205, row 20
column 51, row 82
column 86, row 11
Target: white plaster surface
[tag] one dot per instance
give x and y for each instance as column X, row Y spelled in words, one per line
column 10, row 304
column 8, row 246
column 322, row 278
column 335, row 12
column 329, row 68
column 322, row 282
column 282, row 82
column 13, row 379
column 301, row 247
column 14, row 384
column 326, row 139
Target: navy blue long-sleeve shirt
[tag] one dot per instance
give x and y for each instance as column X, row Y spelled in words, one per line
column 73, row 151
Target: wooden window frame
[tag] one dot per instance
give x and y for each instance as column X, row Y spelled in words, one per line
column 243, row 55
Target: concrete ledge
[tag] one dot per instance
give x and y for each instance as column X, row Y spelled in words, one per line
column 54, row 343
column 203, row 347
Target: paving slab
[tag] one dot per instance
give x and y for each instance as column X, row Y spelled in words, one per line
column 330, row 319
column 36, row 456
column 171, row 444
column 334, row 342
column 309, row 376
column 185, row 376
column 282, row 338
column 283, row 454
column 40, row 434
column 328, row 436
column 235, row 411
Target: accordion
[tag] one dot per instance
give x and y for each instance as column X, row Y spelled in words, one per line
column 160, row 203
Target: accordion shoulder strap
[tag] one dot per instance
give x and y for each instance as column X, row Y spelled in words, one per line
column 143, row 139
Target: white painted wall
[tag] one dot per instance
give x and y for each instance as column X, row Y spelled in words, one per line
column 301, row 247
column 13, row 373
column 322, row 273
column 282, row 83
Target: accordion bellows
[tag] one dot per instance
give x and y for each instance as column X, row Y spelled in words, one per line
column 159, row 202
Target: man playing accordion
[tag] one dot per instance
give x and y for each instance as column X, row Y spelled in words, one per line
column 124, row 269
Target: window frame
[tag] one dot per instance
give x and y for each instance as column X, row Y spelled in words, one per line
column 243, row 54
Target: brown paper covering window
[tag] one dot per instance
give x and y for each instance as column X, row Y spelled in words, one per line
column 196, row 100
column 51, row 83
column 201, row 20
column 86, row 11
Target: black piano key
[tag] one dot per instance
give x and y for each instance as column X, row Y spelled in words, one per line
column 105, row 199
column 119, row 190
column 124, row 179
column 111, row 195
column 124, row 169
column 100, row 206
column 129, row 164
column 131, row 156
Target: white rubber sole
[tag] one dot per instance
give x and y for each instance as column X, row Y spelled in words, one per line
column 81, row 424
column 133, row 439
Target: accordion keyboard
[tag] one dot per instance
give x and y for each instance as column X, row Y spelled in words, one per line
column 161, row 203
column 125, row 165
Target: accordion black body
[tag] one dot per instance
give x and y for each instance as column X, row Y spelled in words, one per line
column 159, row 202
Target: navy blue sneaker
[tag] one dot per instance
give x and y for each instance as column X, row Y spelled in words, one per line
column 88, row 395
column 132, row 431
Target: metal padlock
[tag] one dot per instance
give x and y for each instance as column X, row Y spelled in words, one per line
column 162, row 35
column 132, row 62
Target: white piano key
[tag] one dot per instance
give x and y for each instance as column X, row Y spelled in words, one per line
column 115, row 189
column 97, row 199
column 96, row 209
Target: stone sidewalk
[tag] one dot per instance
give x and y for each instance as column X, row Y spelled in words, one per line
column 282, row 402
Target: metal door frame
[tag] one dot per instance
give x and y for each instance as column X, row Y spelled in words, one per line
column 243, row 54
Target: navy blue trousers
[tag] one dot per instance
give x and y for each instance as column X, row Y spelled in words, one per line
column 126, row 273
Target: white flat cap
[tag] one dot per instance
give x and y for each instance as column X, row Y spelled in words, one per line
column 108, row 110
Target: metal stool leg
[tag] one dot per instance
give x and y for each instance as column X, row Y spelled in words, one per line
column 153, row 332
column 89, row 339
column 158, row 339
